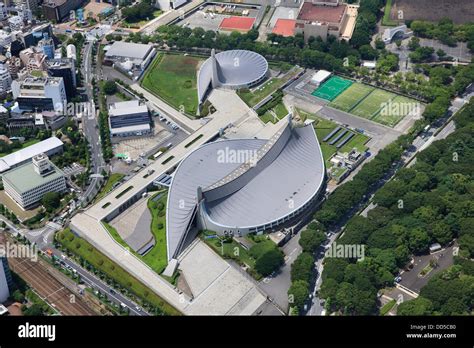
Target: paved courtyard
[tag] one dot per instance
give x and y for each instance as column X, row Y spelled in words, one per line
column 217, row 287
column 134, row 147
column 133, row 226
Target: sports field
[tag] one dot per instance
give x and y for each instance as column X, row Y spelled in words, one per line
column 351, row 96
column 371, row 105
column 330, row 89
column 396, row 110
column 172, row 77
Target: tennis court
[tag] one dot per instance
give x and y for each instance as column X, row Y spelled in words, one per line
column 332, row 88
column 351, row 97
column 371, row 105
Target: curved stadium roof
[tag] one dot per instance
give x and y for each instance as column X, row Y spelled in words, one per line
column 233, row 69
column 296, row 172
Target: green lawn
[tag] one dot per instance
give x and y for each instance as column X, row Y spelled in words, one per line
column 386, row 15
column 371, row 105
column 398, row 108
column 141, row 23
column 228, row 250
column 388, row 306
column 279, row 110
column 252, row 98
column 157, row 258
column 24, row 145
column 270, row 86
column 86, row 251
column 323, row 127
column 111, row 180
column 172, row 77
column 351, row 96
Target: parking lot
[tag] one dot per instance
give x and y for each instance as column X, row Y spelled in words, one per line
column 134, row 147
column 415, row 278
column 460, row 52
column 204, row 19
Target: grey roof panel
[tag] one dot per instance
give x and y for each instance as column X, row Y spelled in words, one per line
column 199, row 168
column 283, row 186
column 235, row 69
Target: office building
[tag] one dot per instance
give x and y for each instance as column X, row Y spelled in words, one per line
column 3, row 12
column 47, row 47
column 28, row 183
column 324, row 18
column 5, row 38
column 32, row 5
column 40, row 94
column 33, row 59
column 15, row 23
column 36, row 34
column 139, row 54
column 5, row 79
column 65, row 68
column 50, row 147
column 6, row 281
column 129, row 118
column 59, row 10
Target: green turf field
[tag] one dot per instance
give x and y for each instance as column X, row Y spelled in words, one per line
column 323, row 127
column 371, row 105
column 173, row 78
column 330, row 89
column 395, row 111
column 351, row 96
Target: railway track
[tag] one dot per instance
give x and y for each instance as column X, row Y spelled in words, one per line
column 49, row 288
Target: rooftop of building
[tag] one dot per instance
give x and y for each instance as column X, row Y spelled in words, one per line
column 24, row 178
column 40, row 80
column 126, row 108
column 319, row 13
column 292, row 163
column 128, row 50
column 60, row 62
column 131, row 129
column 8, row 161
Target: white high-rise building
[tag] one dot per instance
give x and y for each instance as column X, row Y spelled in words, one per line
column 31, row 5
column 3, row 12
column 28, row 183
column 15, row 23
column 4, row 291
column 5, row 38
column 5, row 79
column 40, row 93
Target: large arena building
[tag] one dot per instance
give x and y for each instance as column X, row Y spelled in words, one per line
column 241, row 186
column 234, row 69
